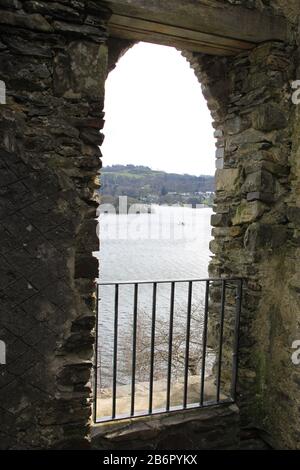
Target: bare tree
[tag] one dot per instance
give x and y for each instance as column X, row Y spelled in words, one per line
column 161, row 352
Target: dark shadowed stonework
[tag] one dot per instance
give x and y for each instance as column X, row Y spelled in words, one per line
column 209, row 428
column 54, row 59
column 255, row 235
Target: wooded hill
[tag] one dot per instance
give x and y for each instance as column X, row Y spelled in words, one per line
column 142, row 184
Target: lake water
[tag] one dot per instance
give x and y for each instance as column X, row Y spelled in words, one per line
column 172, row 243
column 155, row 246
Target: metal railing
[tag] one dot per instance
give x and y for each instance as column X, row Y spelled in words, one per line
column 220, row 307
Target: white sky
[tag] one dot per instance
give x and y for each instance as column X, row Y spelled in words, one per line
column 156, row 114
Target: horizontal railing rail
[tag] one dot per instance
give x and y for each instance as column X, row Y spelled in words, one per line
column 141, row 314
column 168, row 281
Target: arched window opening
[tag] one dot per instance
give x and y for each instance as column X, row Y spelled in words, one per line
column 158, row 151
column 156, row 202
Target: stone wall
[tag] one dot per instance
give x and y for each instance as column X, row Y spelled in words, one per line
column 204, row 429
column 53, row 59
column 256, row 225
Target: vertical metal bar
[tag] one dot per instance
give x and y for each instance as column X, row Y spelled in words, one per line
column 152, row 347
column 187, row 345
column 115, row 358
column 134, row 333
column 170, row 345
column 223, row 296
column 239, row 294
column 96, row 356
column 204, row 342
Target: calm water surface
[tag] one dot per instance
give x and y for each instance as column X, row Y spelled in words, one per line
column 171, row 243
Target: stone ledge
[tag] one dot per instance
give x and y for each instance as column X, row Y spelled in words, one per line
column 213, row 427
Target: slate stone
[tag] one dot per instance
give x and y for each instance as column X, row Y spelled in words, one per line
column 293, row 214
column 226, row 179
column 86, row 267
column 269, row 117
column 55, row 10
column 219, row 220
column 34, row 22
column 248, row 212
column 259, row 181
column 20, row 45
column 11, row 4
column 261, row 236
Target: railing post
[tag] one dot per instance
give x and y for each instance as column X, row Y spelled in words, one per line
column 152, row 347
column 204, row 342
column 115, row 359
column 239, row 294
column 187, row 345
column 220, row 352
column 134, row 334
column 96, row 356
column 170, row 345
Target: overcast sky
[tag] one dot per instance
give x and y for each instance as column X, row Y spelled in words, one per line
column 156, row 114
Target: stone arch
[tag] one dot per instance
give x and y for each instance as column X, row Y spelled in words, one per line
column 54, row 69
column 249, row 97
column 213, row 83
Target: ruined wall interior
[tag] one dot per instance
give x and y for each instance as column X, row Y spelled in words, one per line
column 54, row 59
column 213, row 428
column 255, row 233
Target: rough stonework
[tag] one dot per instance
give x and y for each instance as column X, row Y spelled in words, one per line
column 206, row 429
column 256, row 227
column 54, row 59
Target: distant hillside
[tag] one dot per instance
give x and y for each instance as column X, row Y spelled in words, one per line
column 142, row 184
